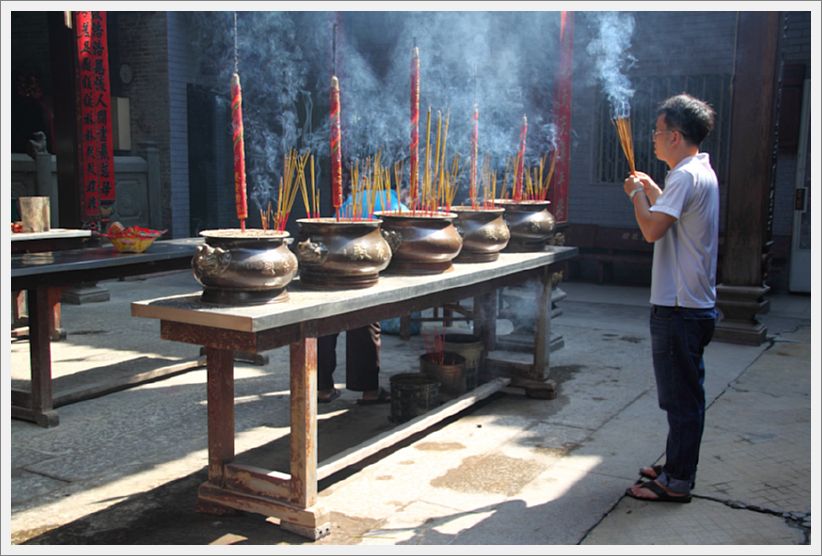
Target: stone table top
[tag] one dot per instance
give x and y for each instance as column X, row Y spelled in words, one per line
column 303, row 304
column 91, row 258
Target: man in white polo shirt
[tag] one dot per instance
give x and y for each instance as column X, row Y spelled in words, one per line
column 682, row 221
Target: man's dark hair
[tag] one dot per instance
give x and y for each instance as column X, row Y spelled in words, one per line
column 692, row 117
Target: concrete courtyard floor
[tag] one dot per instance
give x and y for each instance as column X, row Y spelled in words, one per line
column 123, row 468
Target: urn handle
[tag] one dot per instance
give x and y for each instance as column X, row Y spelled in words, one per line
column 312, row 252
column 393, row 238
column 211, row 260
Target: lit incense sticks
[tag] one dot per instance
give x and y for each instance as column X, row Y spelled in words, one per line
column 336, row 147
column 626, row 140
column 520, row 160
column 240, row 200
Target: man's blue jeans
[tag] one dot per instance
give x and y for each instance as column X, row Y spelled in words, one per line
column 678, row 340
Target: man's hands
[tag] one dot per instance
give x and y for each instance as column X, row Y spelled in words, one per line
column 632, row 183
column 652, row 190
column 652, row 224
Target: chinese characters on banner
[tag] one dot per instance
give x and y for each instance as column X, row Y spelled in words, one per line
column 562, row 117
column 95, row 154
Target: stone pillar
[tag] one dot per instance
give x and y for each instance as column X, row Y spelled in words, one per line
column 752, row 150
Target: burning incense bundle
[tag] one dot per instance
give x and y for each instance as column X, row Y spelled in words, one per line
column 520, row 169
column 537, row 183
column 240, row 199
column 626, row 141
column 415, row 125
column 292, row 180
column 472, row 186
column 489, row 184
column 440, row 188
column 370, row 187
column 336, row 147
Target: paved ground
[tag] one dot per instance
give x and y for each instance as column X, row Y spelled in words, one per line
column 124, row 468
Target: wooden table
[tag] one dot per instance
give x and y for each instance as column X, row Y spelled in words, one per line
column 297, row 322
column 36, row 242
column 38, row 273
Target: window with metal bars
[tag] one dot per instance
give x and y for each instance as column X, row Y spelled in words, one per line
column 650, row 91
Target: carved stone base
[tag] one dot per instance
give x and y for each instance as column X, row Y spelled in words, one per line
column 739, row 306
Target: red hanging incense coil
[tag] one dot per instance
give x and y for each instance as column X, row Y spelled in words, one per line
column 415, row 126
column 240, row 199
column 472, row 189
column 521, row 160
column 336, row 147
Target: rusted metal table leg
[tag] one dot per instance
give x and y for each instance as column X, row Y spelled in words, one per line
column 303, row 484
column 542, row 327
column 220, row 412
column 56, row 331
column 233, row 486
column 220, row 400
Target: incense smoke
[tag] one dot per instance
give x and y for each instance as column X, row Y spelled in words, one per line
column 503, row 61
column 608, row 52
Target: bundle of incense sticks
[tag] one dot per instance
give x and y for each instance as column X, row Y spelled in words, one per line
column 537, row 182
column 292, row 180
column 489, row 184
column 438, row 189
column 626, row 141
column 370, row 186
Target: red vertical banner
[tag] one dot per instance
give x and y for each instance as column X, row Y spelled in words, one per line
column 562, row 118
column 95, row 153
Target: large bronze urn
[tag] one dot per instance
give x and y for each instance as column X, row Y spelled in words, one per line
column 244, row 267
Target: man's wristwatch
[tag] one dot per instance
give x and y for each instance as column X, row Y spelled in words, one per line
column 634, row 192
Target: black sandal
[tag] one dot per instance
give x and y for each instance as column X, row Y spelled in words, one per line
column 382, row 397
column 662, row 495
column 331, row 397
column 655, row 471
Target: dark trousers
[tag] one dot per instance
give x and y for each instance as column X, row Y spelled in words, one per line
column 362, row 359
column 678, row 340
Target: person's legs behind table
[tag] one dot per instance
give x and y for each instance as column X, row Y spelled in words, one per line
column 362, row 365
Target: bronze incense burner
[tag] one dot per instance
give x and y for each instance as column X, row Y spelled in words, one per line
column 341, row 254
column 244, row 267
column 421, row 242
column 484, row 233
column 530, row 223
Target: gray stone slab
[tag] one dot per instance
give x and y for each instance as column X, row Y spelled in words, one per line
column 699, row 523
column 559, row 508
column 90, row 258
column 309, row 305
column 26, row 486
column 512, row 470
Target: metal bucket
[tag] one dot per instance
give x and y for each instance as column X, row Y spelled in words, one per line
column 450, row 373
column 473, row 350
column 412, row 395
